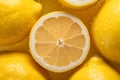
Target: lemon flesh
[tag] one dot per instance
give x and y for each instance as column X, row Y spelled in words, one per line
column 106, row 30
column 16, row 19
column 57, row 36
column 95, row 69
column 19, row 66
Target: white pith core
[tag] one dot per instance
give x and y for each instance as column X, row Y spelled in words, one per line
column 60, row 43
column 78, row 2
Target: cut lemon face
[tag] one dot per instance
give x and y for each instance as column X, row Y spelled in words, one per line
column 77, row 4
column 59, row 41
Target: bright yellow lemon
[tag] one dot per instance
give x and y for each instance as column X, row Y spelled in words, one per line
column 16, row 19
column 20, row 66
column 95, row 69
column 106, row 30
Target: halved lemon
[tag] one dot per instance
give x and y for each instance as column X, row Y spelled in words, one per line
column 59, row 41
column 77, row 4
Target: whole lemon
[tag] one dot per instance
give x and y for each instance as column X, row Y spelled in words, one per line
column 20, row 66
column 106, row 31
column 16, row 19
column 95, row 69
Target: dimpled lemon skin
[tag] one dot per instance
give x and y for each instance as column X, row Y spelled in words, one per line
column 106, row 31
column 95, row 69
column 19, row 66
column 16, row 19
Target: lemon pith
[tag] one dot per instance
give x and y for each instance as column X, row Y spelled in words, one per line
column 77, row 4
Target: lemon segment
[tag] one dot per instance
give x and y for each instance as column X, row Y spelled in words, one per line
column 59, row 41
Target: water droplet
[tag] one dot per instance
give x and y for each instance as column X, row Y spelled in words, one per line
column 47, row 57
column 55, row 30
column 102, row 43
column 106, row 29
column 111, row 26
